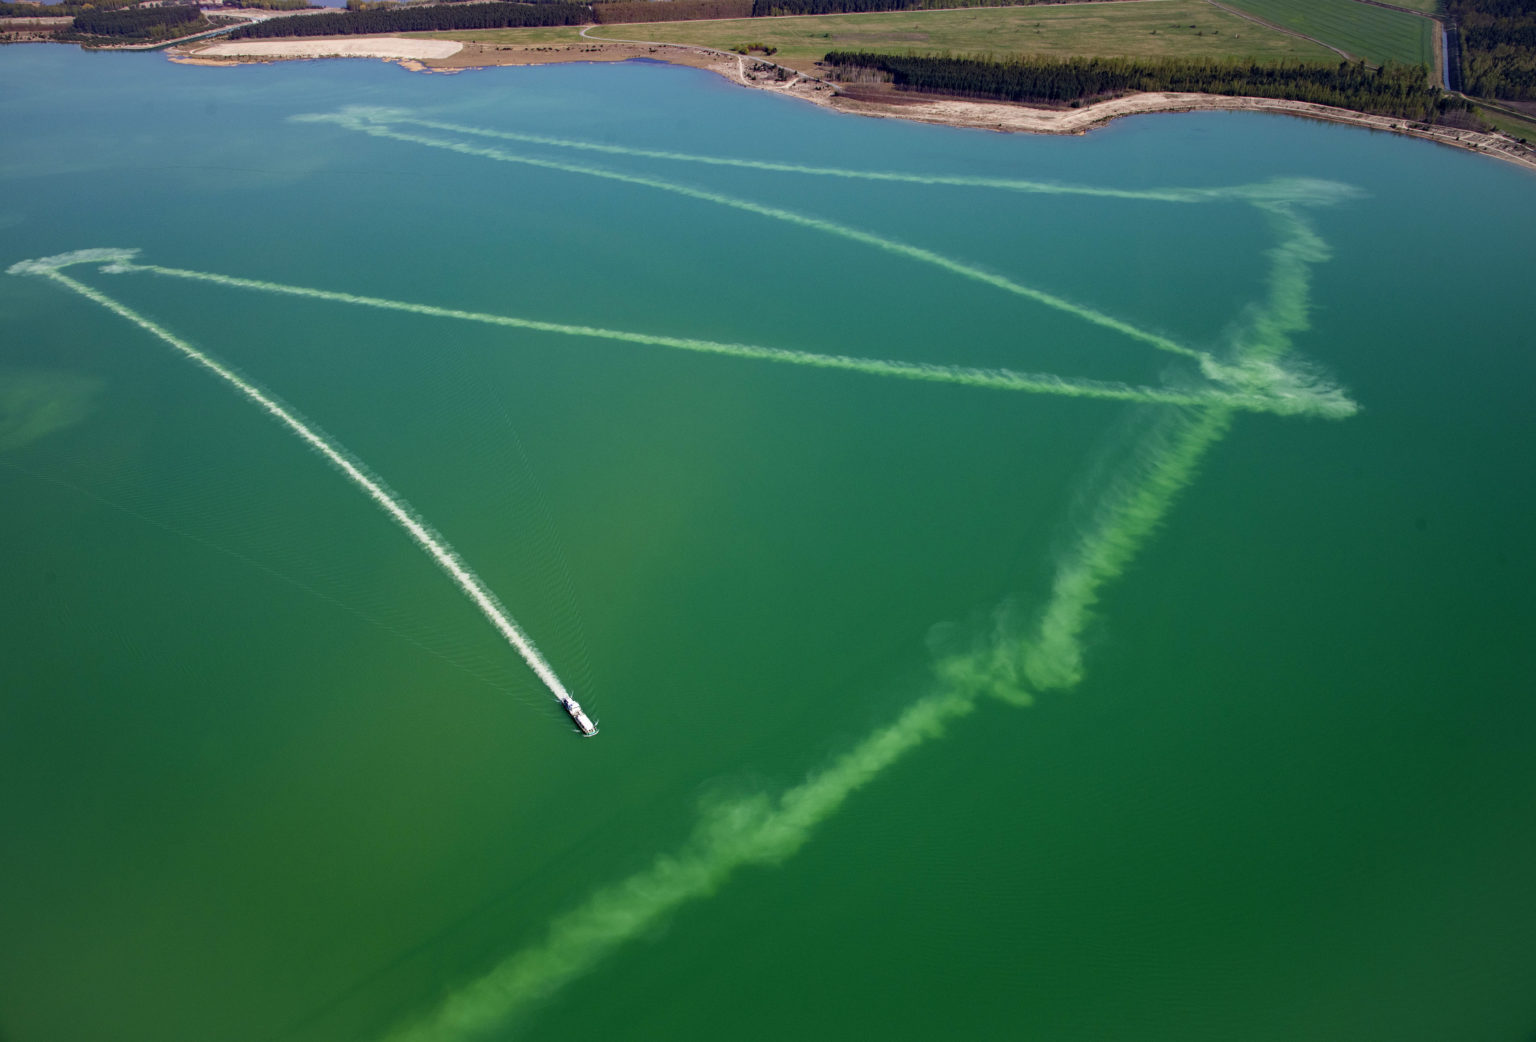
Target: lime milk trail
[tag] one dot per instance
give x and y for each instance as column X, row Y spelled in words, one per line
column 993, row 379
column 1280, row 388
column 763, row 829
column 1012, row 667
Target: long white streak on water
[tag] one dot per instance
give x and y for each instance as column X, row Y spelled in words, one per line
column 765, row 831
column 1257, row 400
column 1302, row 190
column 760, row 830
column 398, row 510
column 916, row 253
column 1279, row 194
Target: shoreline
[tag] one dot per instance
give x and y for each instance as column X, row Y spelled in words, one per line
column 761, row 74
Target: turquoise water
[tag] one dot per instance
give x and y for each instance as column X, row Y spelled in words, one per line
column 268, row 775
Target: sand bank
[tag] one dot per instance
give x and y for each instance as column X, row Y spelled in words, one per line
column 332, row 47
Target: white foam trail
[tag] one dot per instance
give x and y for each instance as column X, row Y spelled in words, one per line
column 761, row 830
column 765, row 831
column 996, row 379
column 424, row 536
column 48, row 265
column 916, row 253
column 1305, row 190
column 1272, row 381
column 1256, row 398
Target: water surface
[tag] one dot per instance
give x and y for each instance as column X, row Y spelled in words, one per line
column 268, row 777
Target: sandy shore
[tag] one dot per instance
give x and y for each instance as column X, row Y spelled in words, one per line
column 1076, row 121
column 450, row 55
column 328, row 47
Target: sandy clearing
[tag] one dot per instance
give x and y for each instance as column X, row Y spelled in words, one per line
column 332, row 46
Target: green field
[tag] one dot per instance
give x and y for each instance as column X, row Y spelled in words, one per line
column 1144, row 29
column 1515, row 126
column 1373, row 33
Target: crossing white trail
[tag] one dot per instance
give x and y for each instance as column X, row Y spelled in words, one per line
column 1271, row 380
column 1132, row 509
column 352, row 468
column 1258, row 397
column 352, row 121
column 767, row 830
column 1006, row 665
column 1300, row 190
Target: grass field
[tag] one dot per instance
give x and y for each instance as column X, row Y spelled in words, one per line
column 1373, row 33
column 1144, row 29
column 1514, row 126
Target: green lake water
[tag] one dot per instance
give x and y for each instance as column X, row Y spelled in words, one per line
column 267, row 775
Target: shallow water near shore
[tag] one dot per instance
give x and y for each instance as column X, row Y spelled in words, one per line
column 268, row 776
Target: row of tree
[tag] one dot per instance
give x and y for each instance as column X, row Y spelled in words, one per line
column 1498, row 47
column 140, row 23
column 1392, row 90
column 67, row 9
column 671, row 11
column 614, row 11
column 773, row 8
column 495, row 15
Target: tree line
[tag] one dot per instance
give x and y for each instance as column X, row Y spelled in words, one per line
column 60, row 10
column 612, row 11
column 143, row 23
column 774, row 8
column 1498, row 47
column 493, row 15
column 671, row 11
column 1392, row 90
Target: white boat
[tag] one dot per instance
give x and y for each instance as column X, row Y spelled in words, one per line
column 580, row 719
